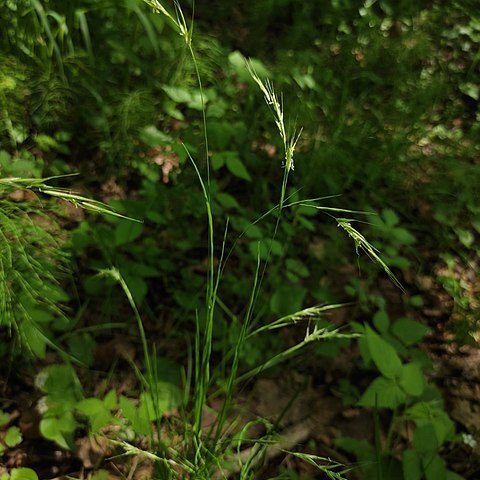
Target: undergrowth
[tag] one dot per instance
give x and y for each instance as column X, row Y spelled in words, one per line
column 168, row 128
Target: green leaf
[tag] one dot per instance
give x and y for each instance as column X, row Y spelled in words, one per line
column 128, row 408
column 153, row 137
column 13, row 437
column 177, row 94
column 167, row 396
column 470, row 89
column 297, row 267
column 411, row 379
column 139, row 423
column 110, row 400
column 237, row 60
column 235, row 165
column 409, row 331
column 431, row 413
column 453, row 476
column 362, row 449
column 381, row 321
column 390, row 217
column 412, row 465
column 4, row 418
column 287, row 299
column 60, row 383
column 383, row 354
column 100, row 475
column 435, row 468
column 23, row 474
column 82, row 346
column 90, row 406
column 226, row 200
column 425, row 439
column 217, row 160
column 465, row 236
column 383, row 393
column 127, row 231
column 52, row 429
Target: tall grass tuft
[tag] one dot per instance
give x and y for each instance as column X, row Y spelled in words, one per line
column 206, row 452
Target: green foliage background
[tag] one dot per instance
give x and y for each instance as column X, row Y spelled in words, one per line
column 386, row 93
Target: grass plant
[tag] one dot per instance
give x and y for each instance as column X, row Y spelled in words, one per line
column 61, row 63
column 211, row 446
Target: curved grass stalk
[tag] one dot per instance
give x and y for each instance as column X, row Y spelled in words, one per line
column 314, row 336
column 203, row 368
column 40, row 185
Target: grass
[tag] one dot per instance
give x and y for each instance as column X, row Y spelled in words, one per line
column 211, row 447
column 202, row 452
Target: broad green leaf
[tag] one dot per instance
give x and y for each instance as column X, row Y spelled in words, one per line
column 238, row 62
column 196, row 101
column 4, row 418
column 364, row 350
column 411, row 379
column 23, row 474
column 390, row 217
column 431, row 413
column 383, row 393
column 403, row 236
column 153, row 137
column 383, row 354
column 297, row 267
column 412, row 465
column 425, row 439
column 362, row 449
column 100, row 420
column 177, row 94
column 90, row 406
column 50, row 429
column 274, row 247
column 13, row 437
column 110, row 400
column 287, row 299
column 128, row 408
column 127, row 231
column 470, row 89
column 82, row 346
column 61, row 382
column 453, row 476
column 140, row 424
column 168, row 396
column 226, row 200
column 465, row 236
column 236, row 166
column 435, row 468
column 100, row 475
column 381, row 321
column 217, row 161
column 409, row 331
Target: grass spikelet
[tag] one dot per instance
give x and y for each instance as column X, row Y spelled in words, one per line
column 276, row 103
column 361, row 242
